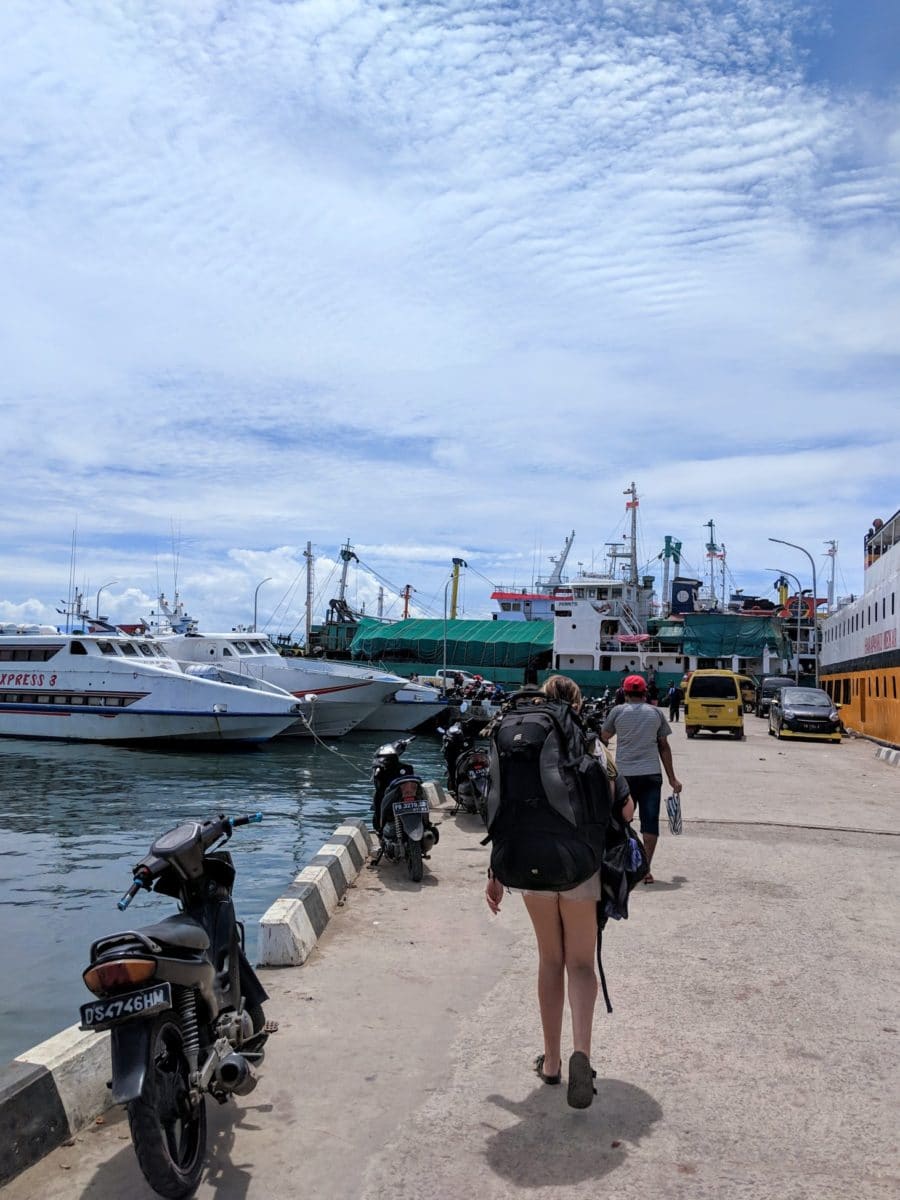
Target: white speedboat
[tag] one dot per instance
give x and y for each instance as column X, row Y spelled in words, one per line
column 336, row 695
column 407, row 709
column 115, row 688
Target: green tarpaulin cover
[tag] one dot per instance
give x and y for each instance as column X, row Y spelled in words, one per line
column 717, row 635
column 469, row 643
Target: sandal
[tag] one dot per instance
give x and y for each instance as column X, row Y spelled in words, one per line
column 581, row 1081
column 648, row 878
column 539, row 1070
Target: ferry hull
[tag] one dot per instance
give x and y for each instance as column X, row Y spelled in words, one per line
column 144, row 727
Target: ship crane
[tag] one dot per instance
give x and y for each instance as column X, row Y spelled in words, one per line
column 554, row 580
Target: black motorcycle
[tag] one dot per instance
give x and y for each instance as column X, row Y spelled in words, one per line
column 182, row 1003
column 468, row 769
column 400, row 810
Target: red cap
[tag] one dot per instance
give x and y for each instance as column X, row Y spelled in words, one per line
column 635, row 683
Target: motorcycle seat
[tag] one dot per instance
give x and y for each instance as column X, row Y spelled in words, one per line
column 178, row 930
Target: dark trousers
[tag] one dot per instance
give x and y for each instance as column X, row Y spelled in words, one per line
column 674, row 710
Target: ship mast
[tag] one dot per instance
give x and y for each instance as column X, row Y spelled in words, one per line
column 308, row 555
column 632, row 506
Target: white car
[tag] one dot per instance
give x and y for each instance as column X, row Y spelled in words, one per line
column 445, row 678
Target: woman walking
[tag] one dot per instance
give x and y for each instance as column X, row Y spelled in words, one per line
column 565, row 925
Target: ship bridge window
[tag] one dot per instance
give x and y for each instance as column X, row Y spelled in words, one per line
column 146, row 650
column 106, row 648
column 242, row 648
column 258, row 647
column 78, row 648
column 128, row 650
column 226, row 653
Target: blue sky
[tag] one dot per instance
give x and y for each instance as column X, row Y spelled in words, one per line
column 440, row 278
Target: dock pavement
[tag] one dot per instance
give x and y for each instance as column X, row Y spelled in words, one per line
column 753, row 1050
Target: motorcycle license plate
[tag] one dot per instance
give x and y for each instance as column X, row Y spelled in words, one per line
column 478, row 772
column 406, row 806
column 102, row 1014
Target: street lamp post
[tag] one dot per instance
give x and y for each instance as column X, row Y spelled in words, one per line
column 799, row 614
column 812, row 563
column 446, row 585
column 267, row 579
column 99, row 590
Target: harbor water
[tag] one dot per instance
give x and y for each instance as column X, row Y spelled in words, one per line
column 76, row 817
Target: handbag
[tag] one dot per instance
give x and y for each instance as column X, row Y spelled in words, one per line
column 673, row 809
column 624, row 866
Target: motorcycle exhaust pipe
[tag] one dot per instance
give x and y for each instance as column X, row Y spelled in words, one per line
column 234, row 1074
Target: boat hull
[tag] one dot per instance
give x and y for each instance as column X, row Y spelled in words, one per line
column 143, row 727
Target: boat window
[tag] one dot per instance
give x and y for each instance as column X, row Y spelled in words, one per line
column 128, row 650
column 146, row 650
column 257, row 647
column 242, row 648
column 95, row 701
column 226, row 653
column 106, row 648
column 78, row 648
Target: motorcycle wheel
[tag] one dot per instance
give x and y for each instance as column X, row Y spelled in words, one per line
column 414, row 861
column 169, row 1138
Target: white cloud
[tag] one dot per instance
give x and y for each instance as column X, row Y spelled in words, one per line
column 439, row 278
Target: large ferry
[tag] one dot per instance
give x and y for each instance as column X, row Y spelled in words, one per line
column 860, row 654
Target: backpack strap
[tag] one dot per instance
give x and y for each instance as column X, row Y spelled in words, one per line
column 603, row 986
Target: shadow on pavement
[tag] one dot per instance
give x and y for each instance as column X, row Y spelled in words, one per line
column 552, row 1144
column 228, row 1180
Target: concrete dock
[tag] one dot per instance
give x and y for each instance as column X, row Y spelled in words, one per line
column 753, row 1051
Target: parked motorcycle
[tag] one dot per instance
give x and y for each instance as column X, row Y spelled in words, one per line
column 400, row 810
column 468, row 769
column 182, row 1003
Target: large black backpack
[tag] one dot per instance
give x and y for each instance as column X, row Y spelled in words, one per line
column 549, row 799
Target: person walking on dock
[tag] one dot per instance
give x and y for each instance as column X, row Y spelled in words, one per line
column 565, row 926
column 642, row 742
column 674, row 697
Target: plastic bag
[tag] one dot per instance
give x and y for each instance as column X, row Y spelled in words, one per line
column 673, row 808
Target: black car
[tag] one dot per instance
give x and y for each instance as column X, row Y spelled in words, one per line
column 767, row 689
column 804, row 712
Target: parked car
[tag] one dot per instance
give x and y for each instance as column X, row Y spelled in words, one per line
column 767, row 690
column 804, row 712
column 712, row 700
column 445, row 678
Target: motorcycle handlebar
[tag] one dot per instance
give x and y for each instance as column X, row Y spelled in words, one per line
column 151, row 867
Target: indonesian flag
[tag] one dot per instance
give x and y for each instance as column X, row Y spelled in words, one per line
column 632, row 504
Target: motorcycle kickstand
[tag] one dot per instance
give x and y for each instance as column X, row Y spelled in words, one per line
column 377, row 857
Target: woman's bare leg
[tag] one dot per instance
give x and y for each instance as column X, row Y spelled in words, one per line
column 545, row 917
column 579, row 923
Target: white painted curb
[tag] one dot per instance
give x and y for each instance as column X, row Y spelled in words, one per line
column 888, row 756
column 290, row 928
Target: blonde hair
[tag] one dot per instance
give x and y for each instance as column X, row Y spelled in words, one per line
column 561, row 687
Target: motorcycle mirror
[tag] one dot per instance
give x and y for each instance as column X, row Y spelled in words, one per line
column 464, row 707
column 441, row 729
column 310, row 696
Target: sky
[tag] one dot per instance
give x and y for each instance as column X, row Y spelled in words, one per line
column 441, row 279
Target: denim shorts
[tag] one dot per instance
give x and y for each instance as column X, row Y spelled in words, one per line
column 646, row 792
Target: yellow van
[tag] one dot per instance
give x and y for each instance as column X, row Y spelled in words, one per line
column 713, row 700
column 748, row 692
